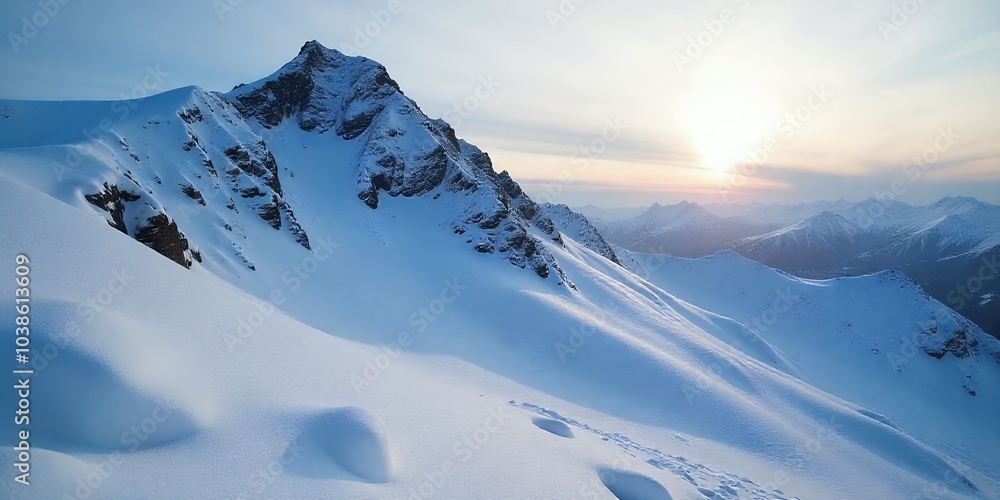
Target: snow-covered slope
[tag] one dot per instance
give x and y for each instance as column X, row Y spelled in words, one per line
column 878, row 341
column 947, row 246
column 950, row 235
column 968, row 209
column 395, row 356
column 216, row 394
column 577, row 227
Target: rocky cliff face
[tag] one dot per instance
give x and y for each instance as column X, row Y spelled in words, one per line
column 401, row 151
column 182, row 171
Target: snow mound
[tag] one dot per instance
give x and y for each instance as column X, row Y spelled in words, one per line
column 353, row 439
column 75, row 395
column 55, row 472
column 91, row 397
column 627, row 485
column 553, row 426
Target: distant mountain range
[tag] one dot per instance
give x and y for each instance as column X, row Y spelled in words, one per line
column 950, row 247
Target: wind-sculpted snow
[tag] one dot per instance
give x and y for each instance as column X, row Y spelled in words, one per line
column 879, row 341
column 579, row 228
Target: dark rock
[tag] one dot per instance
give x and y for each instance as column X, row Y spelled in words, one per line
column 493, row 220
column 369, row 196
column 484, row 247
column 270, row 212
column 427, row 174
column 353, row 125
column 293, row 225
column 251, row 192
column 112, row 200
column 161, row 234
column 256, row 161
column 278, row 99
column 190, row 115
column 210, row 166
column 193, row 193
column 442, row 127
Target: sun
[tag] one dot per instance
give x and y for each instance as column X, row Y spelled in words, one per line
column 725, row 121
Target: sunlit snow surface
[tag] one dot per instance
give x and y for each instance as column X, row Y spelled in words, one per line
column 394, row 361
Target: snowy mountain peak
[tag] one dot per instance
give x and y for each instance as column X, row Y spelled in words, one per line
column 322, row 89
column 395, row 149
column 685, row 229
column 957, row 204
column 203, row 177
column 678, row 212
column 890, row 206
column 827, row 221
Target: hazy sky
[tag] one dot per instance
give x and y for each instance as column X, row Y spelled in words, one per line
column 598, row 101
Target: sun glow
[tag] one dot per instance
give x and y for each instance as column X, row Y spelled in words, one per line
column 725, row 121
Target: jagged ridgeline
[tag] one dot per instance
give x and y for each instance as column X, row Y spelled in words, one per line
column 394, row 148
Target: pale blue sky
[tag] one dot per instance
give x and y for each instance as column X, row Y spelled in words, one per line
column 686, row 115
